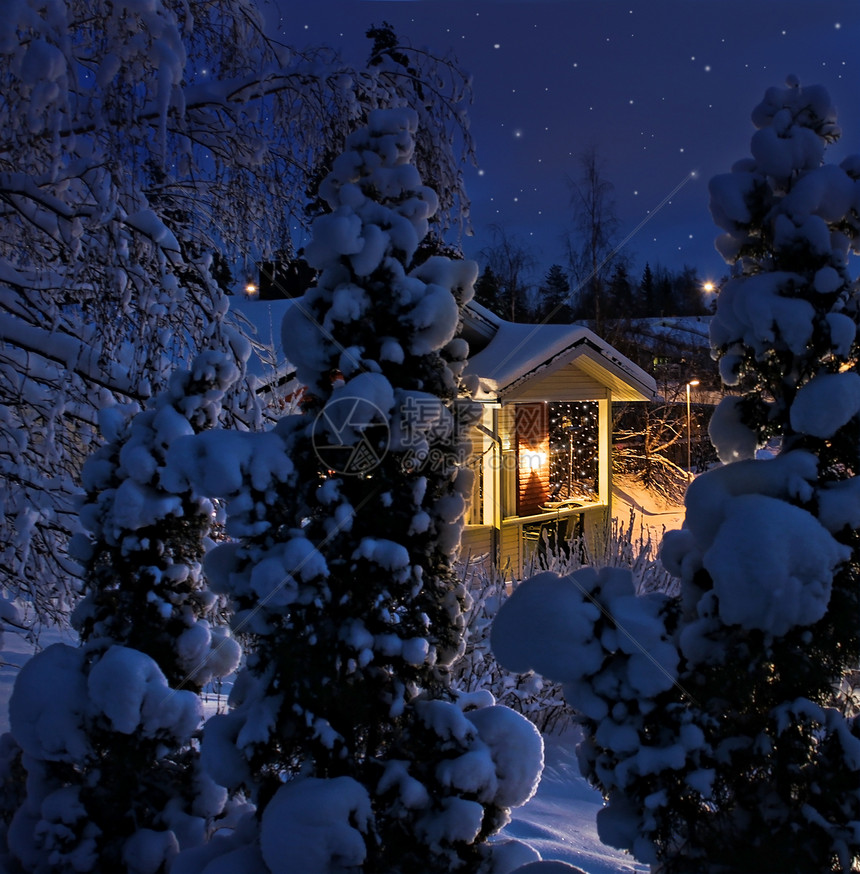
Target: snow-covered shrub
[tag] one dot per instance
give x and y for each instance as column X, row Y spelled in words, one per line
column 536, row 697
column 104, row 730
column 346, row 521
column 624, row 545
column 716, row 723
column 540, row 700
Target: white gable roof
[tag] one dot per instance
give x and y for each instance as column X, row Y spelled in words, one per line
column 517, row 354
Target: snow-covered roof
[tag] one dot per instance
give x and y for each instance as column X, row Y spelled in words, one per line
column 509, row 356
column 517, row 354
column 267, row 361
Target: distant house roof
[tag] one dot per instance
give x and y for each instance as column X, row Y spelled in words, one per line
column 505, row 355
column 510, row 355
column 268, row 362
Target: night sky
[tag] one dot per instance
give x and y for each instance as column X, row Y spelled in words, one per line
column 662, row 90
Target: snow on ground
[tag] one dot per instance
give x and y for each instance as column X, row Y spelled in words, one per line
column 652, row 513
column 559, row 822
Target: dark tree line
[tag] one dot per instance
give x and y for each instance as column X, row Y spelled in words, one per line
column 657, row 292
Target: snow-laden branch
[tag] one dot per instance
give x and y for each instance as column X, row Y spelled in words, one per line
column 63, row 349
column 145, row 151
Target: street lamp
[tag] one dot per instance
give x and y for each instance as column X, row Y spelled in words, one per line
column 689, row 464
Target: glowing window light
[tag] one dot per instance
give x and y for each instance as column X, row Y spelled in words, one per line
column 533, row 460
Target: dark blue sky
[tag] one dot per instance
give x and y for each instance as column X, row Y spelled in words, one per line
column 662, row 89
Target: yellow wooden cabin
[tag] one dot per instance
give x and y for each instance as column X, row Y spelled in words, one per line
column 543, row 449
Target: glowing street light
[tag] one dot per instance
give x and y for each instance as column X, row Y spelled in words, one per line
column 689, row 463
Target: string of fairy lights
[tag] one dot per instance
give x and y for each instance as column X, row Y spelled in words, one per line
column 573, row 449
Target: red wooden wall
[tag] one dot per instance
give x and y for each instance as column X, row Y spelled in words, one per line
column 532, row 435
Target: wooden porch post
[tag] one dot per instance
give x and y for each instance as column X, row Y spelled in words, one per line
column 604, row 455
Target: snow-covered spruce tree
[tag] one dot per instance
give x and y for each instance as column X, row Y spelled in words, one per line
column 144, row 585
column 344, row 730
column 144, row 147
column 104, row 729
column 715, row 724
column 771, row 578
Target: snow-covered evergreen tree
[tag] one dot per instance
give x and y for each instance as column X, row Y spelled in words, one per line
column 347, row 519
column 104, row 729
column 782, row 601
column 715, row 724
column 143, row 558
